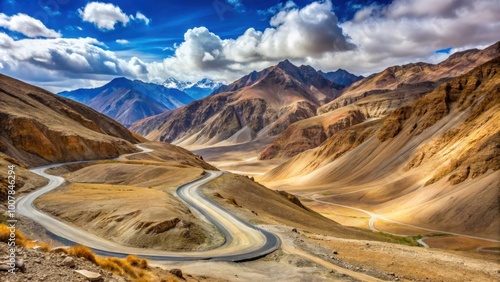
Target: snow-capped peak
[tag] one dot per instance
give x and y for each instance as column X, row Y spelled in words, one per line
column 177, row 84
column 207, row 83
column 196, row 90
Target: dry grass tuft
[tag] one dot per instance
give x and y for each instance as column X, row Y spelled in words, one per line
column 130, row 268
column 21, row 240
column 137, row 262
column 109, row 265
column 5, row 235
column 82, row 252
column 31, row 244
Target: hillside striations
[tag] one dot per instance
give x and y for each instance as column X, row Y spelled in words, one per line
column 260, row 104
column 395, row 76
column 127, row 101
column 373, row 98
column 38, row 127
column 440, row 151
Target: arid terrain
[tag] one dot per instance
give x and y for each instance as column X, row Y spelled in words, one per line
column 231, row 140
column 394, row 185
column 360, row 164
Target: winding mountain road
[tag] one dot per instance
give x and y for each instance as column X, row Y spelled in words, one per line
column 243, row 240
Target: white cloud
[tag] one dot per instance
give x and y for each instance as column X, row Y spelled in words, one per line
column 141, row 17
column 412, row 30
column 377, row 37
column 105, row 16
column 309, row 31
column 122, row 41
column 52, row 59
column 294, row 34
column 27, row 25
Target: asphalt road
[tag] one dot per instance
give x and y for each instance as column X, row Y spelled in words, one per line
column 244, row 241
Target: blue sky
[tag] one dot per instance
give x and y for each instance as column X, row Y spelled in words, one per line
column 65, row 44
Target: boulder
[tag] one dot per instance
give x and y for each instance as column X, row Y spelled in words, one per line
column 177, row 272
column 90, row 276
column 69, row 262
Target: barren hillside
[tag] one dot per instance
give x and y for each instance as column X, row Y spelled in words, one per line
column 393, row 77
column 440, row 151
column 38, row 127
column 262, row 103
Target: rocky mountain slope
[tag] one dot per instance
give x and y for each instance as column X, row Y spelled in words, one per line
column 372, row 98
column 127, row 101
column 312, row 132
column 440, row 151
column 260, row 104
column 341, row 77
column 38, row 127
column 393, row 77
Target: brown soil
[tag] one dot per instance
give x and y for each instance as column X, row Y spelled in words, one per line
column 39, row 127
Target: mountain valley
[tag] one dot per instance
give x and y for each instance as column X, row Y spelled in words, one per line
column 286, row 174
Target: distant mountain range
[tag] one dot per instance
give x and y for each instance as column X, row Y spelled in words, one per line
column 198, row 90
column 260, row 104
column 127, row 101
column 341, row 77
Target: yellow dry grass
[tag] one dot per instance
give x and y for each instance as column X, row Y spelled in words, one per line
column 21, row 240
column 82, row 252
column 132, row 267
column 5, row 233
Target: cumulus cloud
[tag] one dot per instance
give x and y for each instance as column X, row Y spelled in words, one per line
column 293, row 34
column 409, row 30
column 105, row 16
column 34, row 59
column 309, row 31
column 27, row 25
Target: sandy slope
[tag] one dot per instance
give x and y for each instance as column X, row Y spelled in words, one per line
column 433, row 162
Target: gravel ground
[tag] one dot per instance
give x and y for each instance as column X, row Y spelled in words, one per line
column 49, row 267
